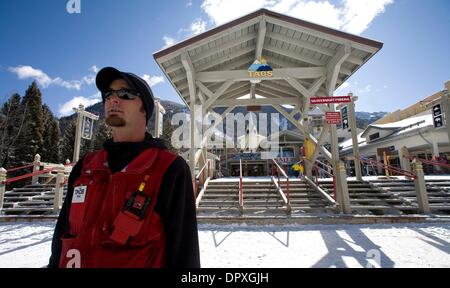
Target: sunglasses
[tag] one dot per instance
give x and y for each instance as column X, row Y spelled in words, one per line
column 125, row 94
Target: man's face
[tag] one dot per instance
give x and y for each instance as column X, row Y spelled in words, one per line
column 122, row 112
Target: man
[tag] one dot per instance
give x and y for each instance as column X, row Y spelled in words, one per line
column 130, row 204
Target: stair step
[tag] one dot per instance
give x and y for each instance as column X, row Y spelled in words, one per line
column 381, row 207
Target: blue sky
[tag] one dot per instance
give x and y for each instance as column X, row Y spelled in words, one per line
column 40, row 40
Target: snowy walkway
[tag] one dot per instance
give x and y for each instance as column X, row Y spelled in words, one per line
column 385, row 245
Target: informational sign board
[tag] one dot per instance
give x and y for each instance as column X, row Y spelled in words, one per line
column 87, row 128
column 344, row 112
column 438, row 120
column 330, row 100
column 333, row 117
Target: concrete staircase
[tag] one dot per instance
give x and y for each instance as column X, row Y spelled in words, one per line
column 438, row 192
column 304, row 199
column 221, row 198
column 369, row 199
column 30, row 200
column 261, row 198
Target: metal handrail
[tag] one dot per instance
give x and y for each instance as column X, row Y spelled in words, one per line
column 14, row 179
column 241, row 192
column 280, row 170
column 326, row 172
column 21, row 167
column 430, row 162
column 197, row 177
column 390, row 168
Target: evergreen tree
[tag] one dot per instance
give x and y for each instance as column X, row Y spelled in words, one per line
column 50, row 151
column 31, row 139
column 102, row 132
column 68, row 141
column 11, row 126
column 167, row 134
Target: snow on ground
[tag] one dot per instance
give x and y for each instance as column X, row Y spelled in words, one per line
column 380, row 245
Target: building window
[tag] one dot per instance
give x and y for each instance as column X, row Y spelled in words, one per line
column 374, row 136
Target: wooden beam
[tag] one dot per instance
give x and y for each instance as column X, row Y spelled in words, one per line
column 294, row 55
column 252, row 102
column 218, row 93
column 320, row 141
column 190, row 74
column 310, row 46
column 305, row 132
column 243, row 75
column 334, row 65
column 261, row 37
column 312, row 91
column 319, row 34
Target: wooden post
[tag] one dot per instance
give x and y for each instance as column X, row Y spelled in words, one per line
column 344, row 202
column 404, row 159
column 36, row 168
column 421, row 188
column 59, row 189
column 356, row 154
column 2, row 187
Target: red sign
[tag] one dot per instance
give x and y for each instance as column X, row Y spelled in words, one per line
column 330, row 100
column 333, row 117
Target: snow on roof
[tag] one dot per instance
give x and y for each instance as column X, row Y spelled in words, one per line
column 401, row 127
column 405, row 125
column 348, row 143
column 405, row 122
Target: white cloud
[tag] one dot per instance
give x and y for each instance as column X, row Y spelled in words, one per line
column 153, row 80
column 26, row 72
column 358, row 14
column 93, row 69
column 221, row 11
column 189, row 3
column 198, row 26
column 344, row 89
column 323, row 13
column 168, row 41
column 66, row 108
column 71, row 85
column 365, row 90
column 345, row 85
column 353, row 16
column 354, row 88
column 89, row 80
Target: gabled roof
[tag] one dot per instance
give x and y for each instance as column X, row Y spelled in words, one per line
column 287, row 42
column 399, row 127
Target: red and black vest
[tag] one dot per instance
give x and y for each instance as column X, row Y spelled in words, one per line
column 111, row 223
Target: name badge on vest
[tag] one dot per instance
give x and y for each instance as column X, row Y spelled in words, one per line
column 79, row 193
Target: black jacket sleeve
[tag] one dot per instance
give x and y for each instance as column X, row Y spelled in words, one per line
column 62, row 225
column 176, row 206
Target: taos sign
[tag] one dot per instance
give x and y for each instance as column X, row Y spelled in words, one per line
column 259, row 69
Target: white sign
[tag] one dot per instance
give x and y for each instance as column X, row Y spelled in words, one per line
column 79, row 194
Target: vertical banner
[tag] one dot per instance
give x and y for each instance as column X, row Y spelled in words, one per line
column 87, row 128
column 344, row 113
